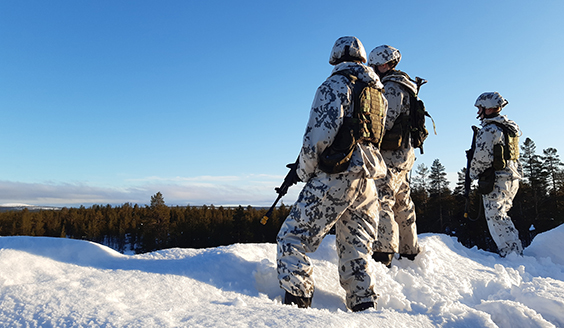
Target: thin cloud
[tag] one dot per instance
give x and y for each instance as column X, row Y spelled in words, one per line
column 198, row 191
column 209, row 178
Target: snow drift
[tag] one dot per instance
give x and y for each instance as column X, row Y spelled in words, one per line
column 53, row 282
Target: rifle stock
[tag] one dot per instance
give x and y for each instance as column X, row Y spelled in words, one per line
column 289, row 181
column 467, row 180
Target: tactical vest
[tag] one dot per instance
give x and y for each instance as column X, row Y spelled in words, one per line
column 365, row 125
column 507, row 151
column 368, row 110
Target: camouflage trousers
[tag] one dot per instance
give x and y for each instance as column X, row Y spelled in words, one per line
column 397, row 231
column 496, row 205
column 347, row 201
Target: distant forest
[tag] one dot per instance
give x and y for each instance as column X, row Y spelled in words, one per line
column 538, row 207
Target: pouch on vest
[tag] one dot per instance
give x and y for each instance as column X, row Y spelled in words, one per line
column 336, row 158
column 499, row 162
column 418, row 130
column 395, row 137
column 507, row 151
column 486, row 181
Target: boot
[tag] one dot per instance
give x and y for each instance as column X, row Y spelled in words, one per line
column 363, row 306
column 300, row 301
column 410, row 257
column 384, row 258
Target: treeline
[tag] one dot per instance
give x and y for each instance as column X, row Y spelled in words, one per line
column 141, row 229
column 538, row 207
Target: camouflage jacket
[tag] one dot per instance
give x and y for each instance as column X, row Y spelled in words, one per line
column 488, row 136
column 398, row 87
column 331, row 104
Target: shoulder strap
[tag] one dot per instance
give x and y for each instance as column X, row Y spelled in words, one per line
column 357, row 87
column 511, row 144
column 348, row 74
column 504, row 129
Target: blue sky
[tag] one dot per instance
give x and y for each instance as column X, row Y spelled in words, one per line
column 107, row 102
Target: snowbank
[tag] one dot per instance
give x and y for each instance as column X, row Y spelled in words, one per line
column 53, row 282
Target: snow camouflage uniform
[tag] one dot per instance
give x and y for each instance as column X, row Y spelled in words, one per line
column 397, row 231
column 346, row 200
column 498, row 202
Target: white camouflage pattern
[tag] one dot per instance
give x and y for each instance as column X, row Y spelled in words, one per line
column 331, row 104
column 397, row 230
column 488, row 136
column 383, row 54
column 356, row 50
column 490, row 100
column 347, row 200
column 496, row 205
column 498, row 202
column 397, row 88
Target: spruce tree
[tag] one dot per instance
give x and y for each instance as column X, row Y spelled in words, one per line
column 535, row 176
column 459, row 189
column 553, row 168
column 437, row 178
column 157, row 200
column 420, row 196
column 421, row 179
column 533, row 168
column 438, row 189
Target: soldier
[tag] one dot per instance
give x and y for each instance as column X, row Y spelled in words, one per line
column 496, row 164
column 397, row 231
column 347, row 200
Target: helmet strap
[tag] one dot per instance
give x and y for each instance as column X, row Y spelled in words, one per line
column 492, row 115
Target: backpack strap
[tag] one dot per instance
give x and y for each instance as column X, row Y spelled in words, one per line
column 504, row 129
column 357, row 87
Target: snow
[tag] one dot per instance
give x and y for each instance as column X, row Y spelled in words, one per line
column 54, row 282
column 21, row 206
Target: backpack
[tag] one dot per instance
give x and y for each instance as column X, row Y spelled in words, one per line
column 412, row 125
column 365, row 125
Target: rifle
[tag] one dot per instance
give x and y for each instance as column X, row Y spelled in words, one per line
column 290, row 180
column 467, row 180
column 419, row 81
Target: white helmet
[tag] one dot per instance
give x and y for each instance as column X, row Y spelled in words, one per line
column 382, row 55
column 347, row 48
column 490, row 100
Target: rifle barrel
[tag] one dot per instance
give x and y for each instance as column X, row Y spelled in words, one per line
column 282, row 190
column 270, row 210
